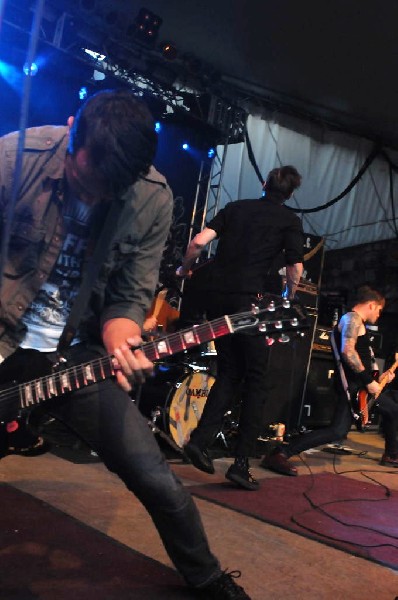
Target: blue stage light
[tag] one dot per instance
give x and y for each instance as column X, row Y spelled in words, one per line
column 11, row 75
column 211, row 153
column 83, row 93
column 158, row 127
column 185, row 146
column 33, row 69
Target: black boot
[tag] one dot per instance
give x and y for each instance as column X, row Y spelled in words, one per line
column 240, row 474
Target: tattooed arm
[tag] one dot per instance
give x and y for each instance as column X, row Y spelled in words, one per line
column 351, row 326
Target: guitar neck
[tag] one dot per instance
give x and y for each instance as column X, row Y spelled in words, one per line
column 71, row 379
column 384, row 378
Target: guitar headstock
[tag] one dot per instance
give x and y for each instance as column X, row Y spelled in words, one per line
column 275, row 318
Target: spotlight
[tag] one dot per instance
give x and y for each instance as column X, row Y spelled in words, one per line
column 158, row 127
column 169, row 51
column 185, row 146
column 211, row 153
column 83, row 93
column 145, row 27
column 30, row 69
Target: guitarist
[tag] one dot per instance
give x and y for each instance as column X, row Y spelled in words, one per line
column 251, row 234
column 353, row 345
column 88, row 181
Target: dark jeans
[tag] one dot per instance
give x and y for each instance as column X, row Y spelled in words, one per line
column 108, row 420
column 241, row 358
column 387, row 406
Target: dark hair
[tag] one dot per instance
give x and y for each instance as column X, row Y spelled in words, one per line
column 367, row 294
column 118, row 132
column 283, row 181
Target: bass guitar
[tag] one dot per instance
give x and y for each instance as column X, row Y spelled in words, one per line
column 274, row 319
column 365, row 401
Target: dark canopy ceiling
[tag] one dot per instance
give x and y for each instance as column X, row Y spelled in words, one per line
column 334, row 61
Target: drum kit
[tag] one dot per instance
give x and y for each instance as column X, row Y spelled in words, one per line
column 173, row 400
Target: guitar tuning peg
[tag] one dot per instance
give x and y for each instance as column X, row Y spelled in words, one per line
column 278, row 325
column 271, row 306
column 255, row 309
column 284, row 339
column 262, row 328
column 286, row 303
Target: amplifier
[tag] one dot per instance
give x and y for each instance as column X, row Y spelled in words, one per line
column 321, row 341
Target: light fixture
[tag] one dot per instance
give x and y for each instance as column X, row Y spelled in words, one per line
column 158, row 127
column 145, row 27
column 169, row 51
column 185, row 146
column 30, row 69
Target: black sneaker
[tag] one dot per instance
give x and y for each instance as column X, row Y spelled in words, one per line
column 242, row 477
column 199, row 458
column 225, row 588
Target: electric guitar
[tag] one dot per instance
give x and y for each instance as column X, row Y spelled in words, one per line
column 365, row 401
column 273, row 320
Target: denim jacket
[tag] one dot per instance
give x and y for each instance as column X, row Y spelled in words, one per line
column 128, row 277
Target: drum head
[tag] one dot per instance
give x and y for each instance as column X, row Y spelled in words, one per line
column 187, row 404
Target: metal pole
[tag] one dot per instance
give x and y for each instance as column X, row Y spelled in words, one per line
column 34, row 37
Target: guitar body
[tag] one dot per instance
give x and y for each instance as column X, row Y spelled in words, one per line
column 365, row 401
column 362, row 409
column 16, row 436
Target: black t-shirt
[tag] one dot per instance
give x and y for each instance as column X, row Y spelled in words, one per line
column 252, row 234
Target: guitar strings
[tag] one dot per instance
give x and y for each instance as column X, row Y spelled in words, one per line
column 8, row 396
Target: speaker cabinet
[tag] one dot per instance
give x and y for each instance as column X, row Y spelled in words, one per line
column 286, row 376
column 320, row 397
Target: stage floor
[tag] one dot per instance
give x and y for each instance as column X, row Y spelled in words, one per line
column 276, row 564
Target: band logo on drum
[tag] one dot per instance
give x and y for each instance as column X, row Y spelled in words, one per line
column 198, row 393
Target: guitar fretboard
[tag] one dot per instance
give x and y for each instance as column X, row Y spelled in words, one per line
column 76, row 377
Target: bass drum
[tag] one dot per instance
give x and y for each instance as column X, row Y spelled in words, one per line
column 174, row 399
column 187, row 402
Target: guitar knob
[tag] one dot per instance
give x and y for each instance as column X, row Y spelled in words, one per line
column 294, row 322
column 262, row 328
column 269, row 341
column 271, row 306
column 255, row 309
column 286, row 303
column 284, row 339
column 278, row 324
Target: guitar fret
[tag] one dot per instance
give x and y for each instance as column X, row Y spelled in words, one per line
column 51, row 386
column 27, row 395
column 39, row 390
column 88, row 374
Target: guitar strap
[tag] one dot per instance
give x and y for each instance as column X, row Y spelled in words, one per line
column 91, row 273
column 342, row 374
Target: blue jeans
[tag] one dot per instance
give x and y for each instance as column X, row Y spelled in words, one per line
column 106, row 418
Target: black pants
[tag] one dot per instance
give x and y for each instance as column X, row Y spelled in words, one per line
column 241, row 359
column 387, row 406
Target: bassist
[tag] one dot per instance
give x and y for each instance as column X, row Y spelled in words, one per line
column 353, row 345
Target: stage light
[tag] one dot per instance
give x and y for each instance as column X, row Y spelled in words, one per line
column 145, row 27
column 83, row 93
column 169, row 51
column 158, row 127
column 30, row 69
column 11, row 75
column 98, row 75
column 185, row 146
column 211, row 153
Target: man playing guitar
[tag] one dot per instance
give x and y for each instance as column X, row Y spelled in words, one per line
column 352, row 345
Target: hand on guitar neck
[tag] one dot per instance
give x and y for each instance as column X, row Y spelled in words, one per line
column 367, row 397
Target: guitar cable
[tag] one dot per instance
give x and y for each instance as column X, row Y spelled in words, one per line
column 321, row 508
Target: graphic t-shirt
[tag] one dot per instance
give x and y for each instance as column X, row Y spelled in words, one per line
column 47, row 315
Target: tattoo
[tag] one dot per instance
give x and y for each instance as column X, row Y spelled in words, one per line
column 351, row 326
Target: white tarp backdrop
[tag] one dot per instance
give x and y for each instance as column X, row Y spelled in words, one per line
column 328, row 161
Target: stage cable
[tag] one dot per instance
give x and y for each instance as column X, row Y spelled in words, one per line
column 368, row 161
column 33, row 42
column 320, row 507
